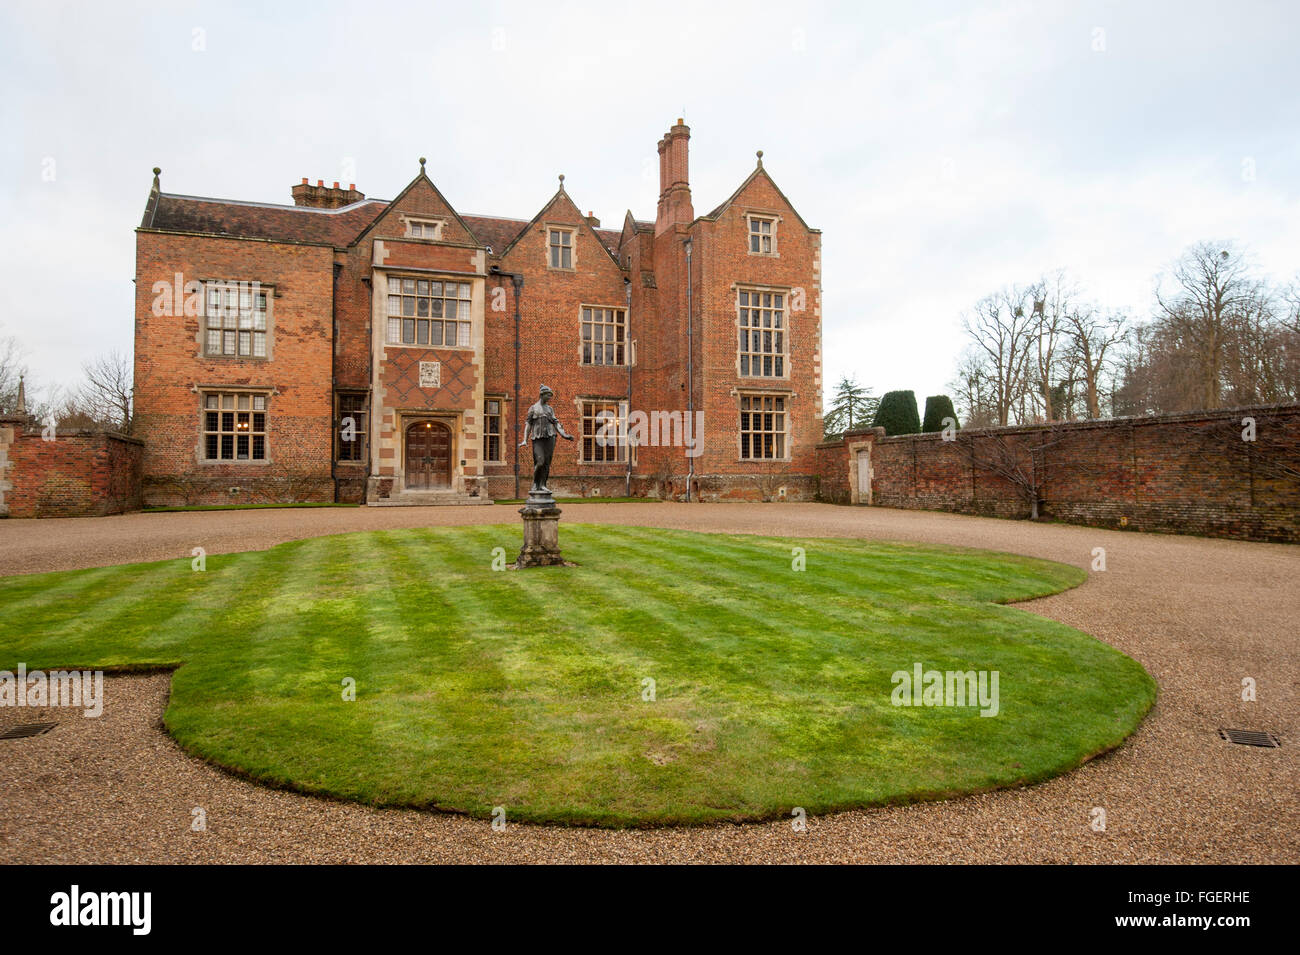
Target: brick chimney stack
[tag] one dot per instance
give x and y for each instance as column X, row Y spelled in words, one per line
column 674, row 180
column 320, row 196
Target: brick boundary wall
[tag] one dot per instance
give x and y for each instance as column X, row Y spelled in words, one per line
column 81, row 473
column 1189, row 473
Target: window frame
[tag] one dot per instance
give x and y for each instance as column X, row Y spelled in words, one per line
column 781, row 327
column 619, row 449
column 360, row 445
column 221, row 432
column 621, row 345
column 438, row 224
column 231, row 319
column 499, row 434
column 780, row 406
column 571, row 247
column 413, row 321
column 773, row 220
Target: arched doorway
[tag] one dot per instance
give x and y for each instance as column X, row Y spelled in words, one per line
column 428, row 456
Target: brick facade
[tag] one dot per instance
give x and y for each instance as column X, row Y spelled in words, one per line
column 1189, row 473
column 327, row 262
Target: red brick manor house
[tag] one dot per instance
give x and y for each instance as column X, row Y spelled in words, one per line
column 354, row 349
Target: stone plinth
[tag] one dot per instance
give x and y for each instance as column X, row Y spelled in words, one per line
column 541, row 535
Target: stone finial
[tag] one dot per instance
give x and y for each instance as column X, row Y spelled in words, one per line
column 759, row 154
column 561, row 182
column 21, row 407
column 422, row 162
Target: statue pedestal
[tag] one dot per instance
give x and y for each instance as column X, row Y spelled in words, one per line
column 541, row 534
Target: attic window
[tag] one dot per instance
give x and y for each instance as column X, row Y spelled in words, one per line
column 424, row 228
column 561, row 248
column 762, row 235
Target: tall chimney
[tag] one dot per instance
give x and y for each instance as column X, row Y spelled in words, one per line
column 674, row 180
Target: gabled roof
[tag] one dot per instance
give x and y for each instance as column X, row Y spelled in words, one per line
column 259, row 220
column 607, row 238
column 758, row 171
column 421, row 177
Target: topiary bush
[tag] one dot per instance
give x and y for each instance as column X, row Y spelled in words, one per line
column 938, row 407
column 897, row 413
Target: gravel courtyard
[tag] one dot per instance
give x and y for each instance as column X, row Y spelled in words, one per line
column 1199, row 614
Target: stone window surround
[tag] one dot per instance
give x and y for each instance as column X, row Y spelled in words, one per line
column 200, row 450
column 272, row 293
column 503, row 399
column 769, row 215
column 572, row 230
column 621, row 402
column 789, row 397
column 736, row 289
column 439, row 224
column 626, row 342
column 431, row 275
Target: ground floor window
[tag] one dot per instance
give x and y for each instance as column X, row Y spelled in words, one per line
column 604, row 431
column 350, row 429
column 492, row 429
column 234, row 427
column 762, row 427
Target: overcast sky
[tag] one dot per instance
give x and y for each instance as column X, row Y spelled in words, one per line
column 944, row 148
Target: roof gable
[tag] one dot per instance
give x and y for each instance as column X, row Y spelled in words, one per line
column 562, row 209
column 758, row 179
column 421, row 198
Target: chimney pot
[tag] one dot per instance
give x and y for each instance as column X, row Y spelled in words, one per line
column 352, row 185
column 336, row 183
column 304, row 181
column 320, row 183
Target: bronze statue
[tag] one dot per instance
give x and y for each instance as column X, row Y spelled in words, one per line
column 541, row 426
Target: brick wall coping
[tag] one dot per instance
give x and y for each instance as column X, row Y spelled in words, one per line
column 1094, row 423
column 87, row 433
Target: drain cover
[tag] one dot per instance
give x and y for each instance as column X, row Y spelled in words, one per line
column 1250, row 738
column 23, row 730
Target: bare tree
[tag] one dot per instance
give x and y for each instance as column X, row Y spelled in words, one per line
column 1000, row 327
column 1019, row 458
column 1094, row 337
column 11, row 372
column 1212, row 288
column 106, row 394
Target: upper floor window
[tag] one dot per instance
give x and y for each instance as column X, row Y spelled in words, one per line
column 234, row 320
column 561, row 245
column 762, row 235
column 428, row 312
column 492, row 429
column 603, row 331
column 424, row 228
column 762, row 333
column 234, row 427
column 351, row 427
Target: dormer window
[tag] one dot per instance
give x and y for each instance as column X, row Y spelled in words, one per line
column 424, row 228
column 762, row 235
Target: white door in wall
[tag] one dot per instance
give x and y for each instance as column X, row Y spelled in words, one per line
column 864, row 477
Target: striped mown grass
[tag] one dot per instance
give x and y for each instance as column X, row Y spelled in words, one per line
column 478, row 688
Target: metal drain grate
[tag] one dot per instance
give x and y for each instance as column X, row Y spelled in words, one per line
column 24, row 730
column 1250, row 738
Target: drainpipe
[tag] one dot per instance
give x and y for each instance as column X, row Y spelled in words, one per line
column 627, row 357
column 690, row 370
column 517, row 280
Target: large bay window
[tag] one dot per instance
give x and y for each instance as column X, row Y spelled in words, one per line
column 428, row 312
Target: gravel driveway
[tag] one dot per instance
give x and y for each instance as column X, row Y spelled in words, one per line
column 1199, row 614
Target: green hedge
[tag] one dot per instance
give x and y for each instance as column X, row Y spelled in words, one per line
column 897, row 413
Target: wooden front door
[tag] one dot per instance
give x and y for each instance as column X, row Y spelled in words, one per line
column 428, row 455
